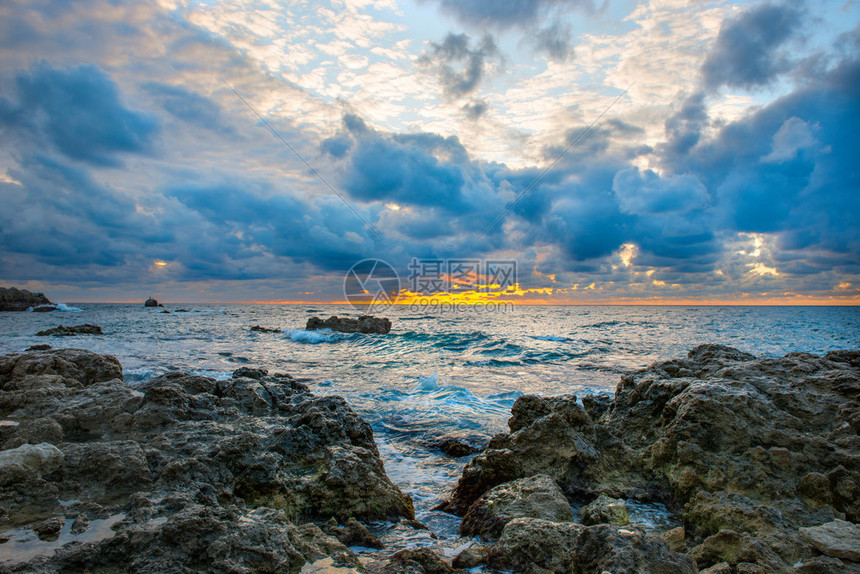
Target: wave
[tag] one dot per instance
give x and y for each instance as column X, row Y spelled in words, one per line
column 59, row 307
column 316, row 337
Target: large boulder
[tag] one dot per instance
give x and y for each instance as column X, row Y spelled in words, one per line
column 363, row 324
column 193, row 473
column 749, row 451
column 14, row 299
column 532, row 497
column 532, row 544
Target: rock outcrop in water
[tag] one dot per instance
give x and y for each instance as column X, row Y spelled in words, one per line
column 14, row 299
column 182, row 472
column 758, row 456
column 61, row 331
column 364, row 324
column 151, row 302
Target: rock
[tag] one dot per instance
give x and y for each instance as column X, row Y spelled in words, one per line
column 675, row 538
column 38, row 347
column 456, row 447
column 527, row 543
column 28, row 461
column 62, row 331
column 354, row 533
column 839, row 539
column 533, row 497
column 150, row 303
column 419, row 560
column 81, row 524
column 821, row 565
column 471, row 557
column 44, row 308
column 49, row 529
column 364, row 324
column 721, row 568
column 605, row 510
column 13, row 299
column 748, row 450
column 264, row 329
column 35, row 431
column 207, row 475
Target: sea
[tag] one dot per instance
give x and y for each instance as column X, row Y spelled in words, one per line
column 440, row 372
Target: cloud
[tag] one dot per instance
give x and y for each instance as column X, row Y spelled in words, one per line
column 454, row 51
column 555, row 41
column 746, row 53
column 475, row 109
column 188, row 106
column 507, row 14
column 645, row 193
column 79, row 111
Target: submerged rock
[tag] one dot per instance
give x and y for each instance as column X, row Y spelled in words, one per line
column 14, row 299
column 204, row 474
column 260, row 329
column 749, row 450
column 364, row 324
column 61, row 331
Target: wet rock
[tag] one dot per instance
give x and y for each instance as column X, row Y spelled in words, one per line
column 44, row 308
column 418, row 560
column 605, row 510
column 14, row 299
column 259, row 329
column 81, row 524
column 839, row 539
column 748, row 450
column 363, row 324
column 527, row 543
column 200, row 474
column 471, row 557
column 354, row 533
column 38, row 347
column 456, row 447
column 49, row 529
column 62, row 331
column 534, row 497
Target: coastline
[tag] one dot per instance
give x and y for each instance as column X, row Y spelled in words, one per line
column 744, row 451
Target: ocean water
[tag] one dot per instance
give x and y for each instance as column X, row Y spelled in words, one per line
column 436, row 374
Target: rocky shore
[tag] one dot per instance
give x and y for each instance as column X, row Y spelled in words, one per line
column 14, row 299
column 179, row 473
column 758, row 459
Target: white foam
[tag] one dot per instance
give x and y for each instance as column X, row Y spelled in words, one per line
column 314, row 337
column 549, row 338
column 64, row 307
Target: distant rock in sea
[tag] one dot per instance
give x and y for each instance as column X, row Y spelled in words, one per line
column 14, row 299
column 62, row 331
column 150, row 303
column 364, row 324
column 260, row 329
column 39, row 347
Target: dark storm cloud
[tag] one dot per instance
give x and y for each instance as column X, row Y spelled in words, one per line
column 78, row 111
column 402, row 168
column 460, row 67
column 746, row 53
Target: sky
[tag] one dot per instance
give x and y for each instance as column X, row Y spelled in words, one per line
column 619, row 151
